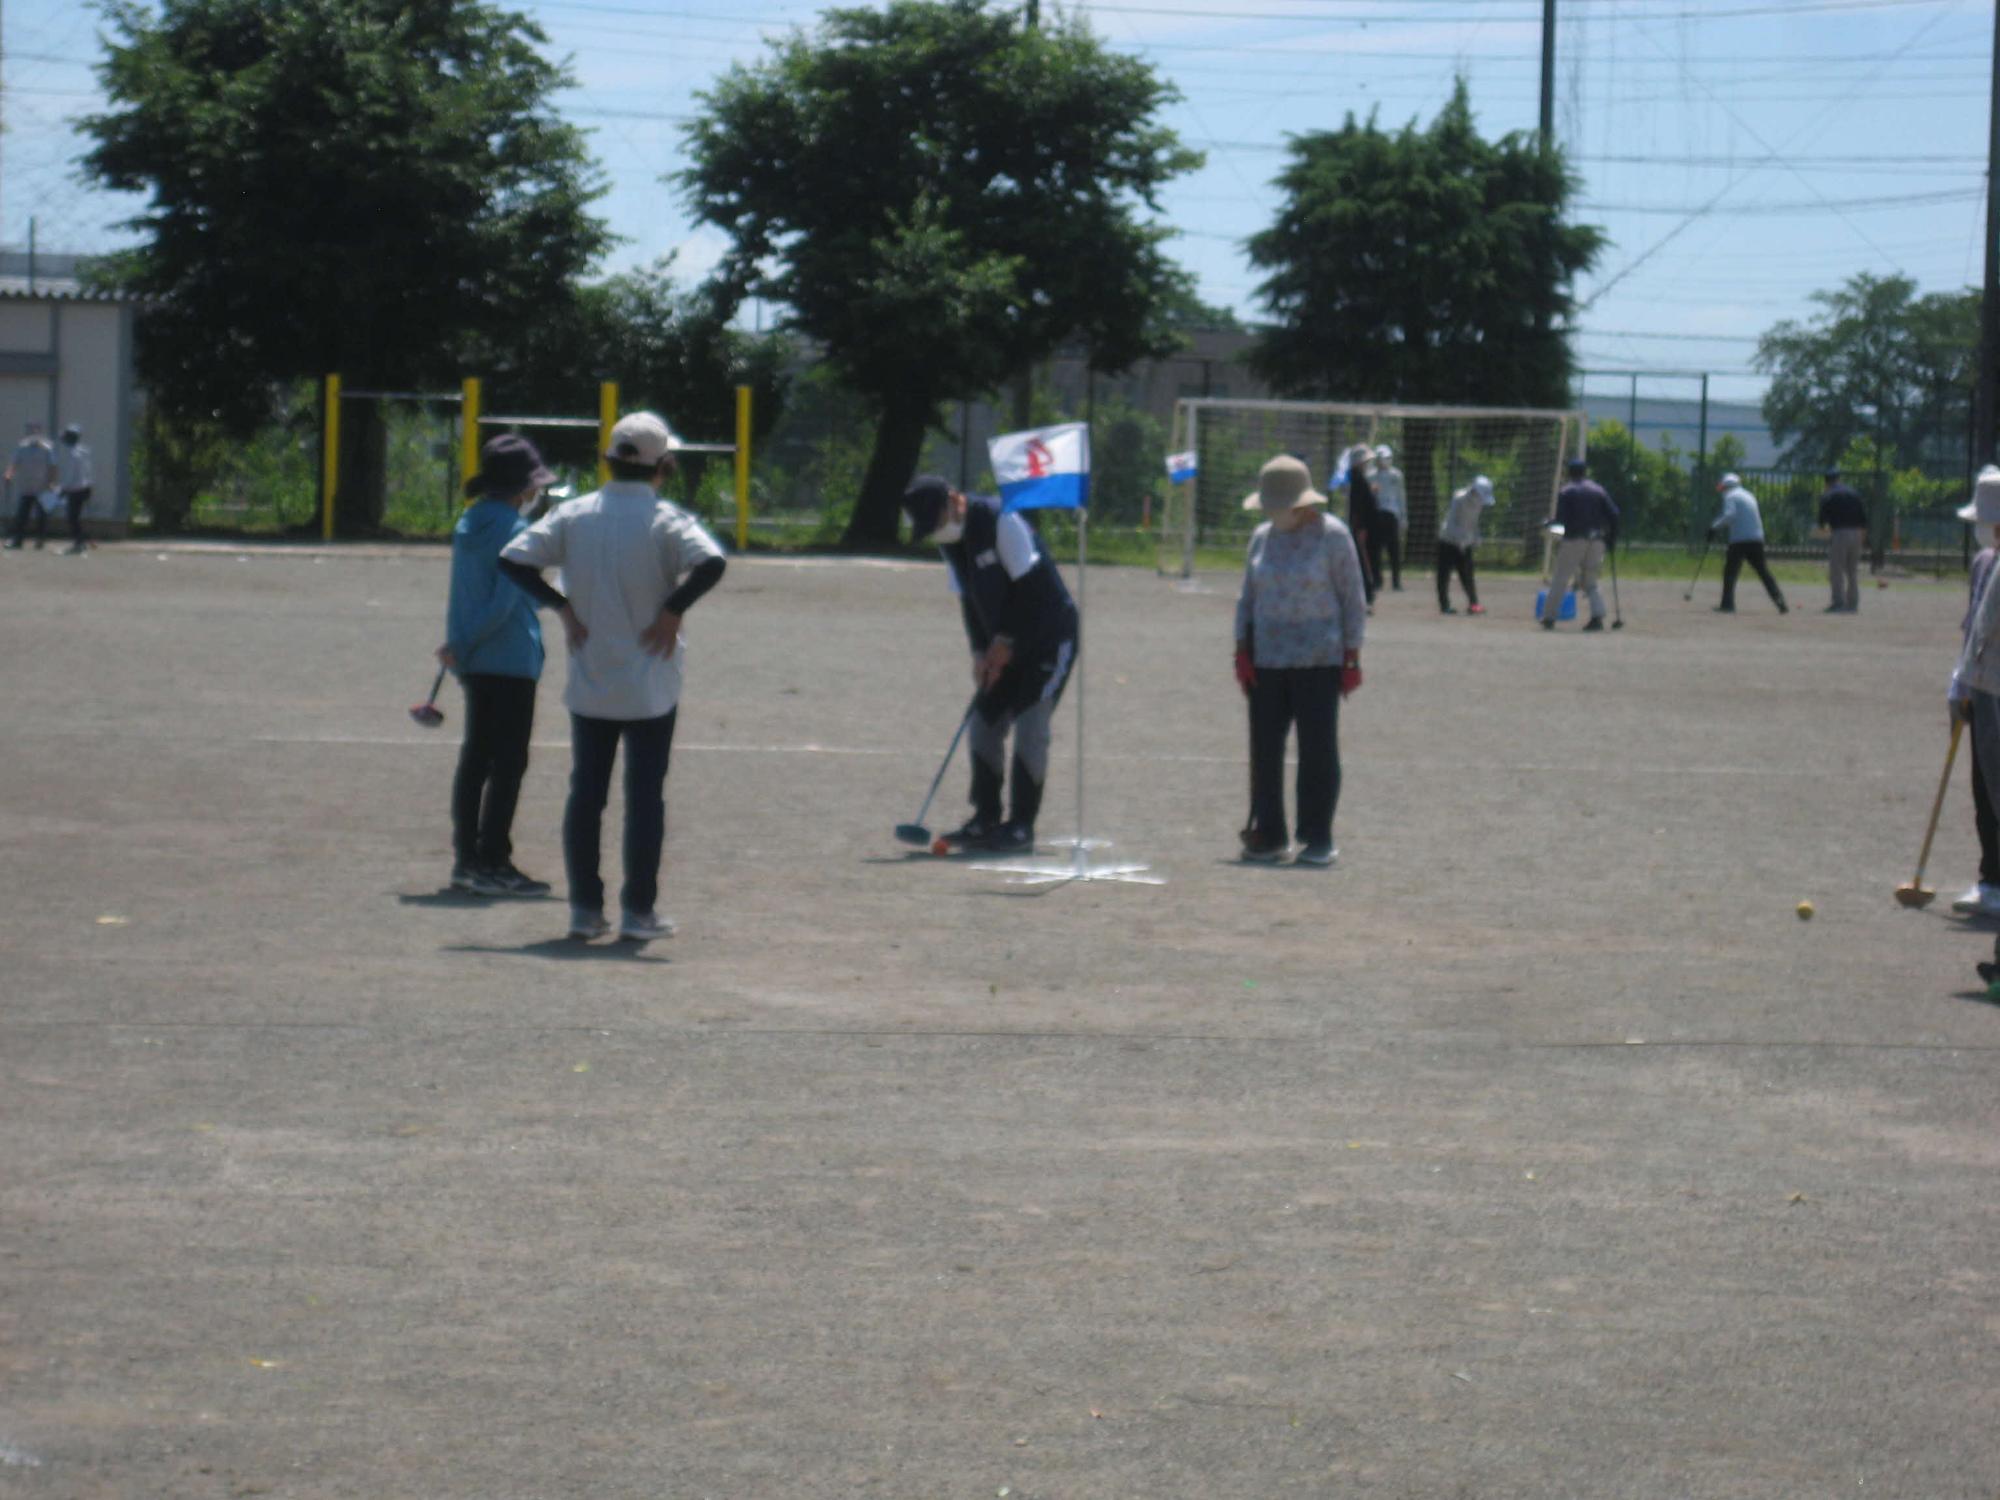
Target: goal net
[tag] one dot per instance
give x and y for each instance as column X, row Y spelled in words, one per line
column 1438, row 448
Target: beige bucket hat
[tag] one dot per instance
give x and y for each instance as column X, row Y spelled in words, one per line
column 1281, row 484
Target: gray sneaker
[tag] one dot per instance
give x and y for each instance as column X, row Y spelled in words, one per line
column 644, row 926
column 585, row 924
column 1318, row 854
column 509, row 881
column 472, row 880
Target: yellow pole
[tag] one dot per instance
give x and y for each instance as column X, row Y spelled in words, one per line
column 607, row 418
column 468, row 436
column 329, row 457
column 742, row 467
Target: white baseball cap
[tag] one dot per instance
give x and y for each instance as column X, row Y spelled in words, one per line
column 642, row 437
column 1484, row 488
column 1729, row 481
column 1384, row 453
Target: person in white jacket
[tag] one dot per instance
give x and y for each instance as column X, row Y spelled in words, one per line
column 1393, row 509
column 1974, row 695
column 1456, row 538
column 1745, row 526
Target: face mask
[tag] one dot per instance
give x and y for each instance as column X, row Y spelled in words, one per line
column 948, row 532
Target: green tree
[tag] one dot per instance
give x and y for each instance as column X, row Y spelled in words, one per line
column 1877, row 361
column 363, row 186
column 1424, row 265
column 670, row 349
column 940, row 195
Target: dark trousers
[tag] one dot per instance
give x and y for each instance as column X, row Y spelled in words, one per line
column 649, row 743
column 1732, row 565
column 1310, row 698
column 1452, row 558
column 1386, row 537
column 76, row 500
column 1984, row 819
column 1365, row 549
column 30, row 512
column 499, row 718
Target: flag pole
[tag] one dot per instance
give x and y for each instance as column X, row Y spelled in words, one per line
column 1082, row 620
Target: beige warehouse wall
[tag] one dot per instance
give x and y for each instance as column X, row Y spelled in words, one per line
column 90, row 391
column 25, row 327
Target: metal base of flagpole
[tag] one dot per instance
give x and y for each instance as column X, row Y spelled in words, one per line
column 1076, row 868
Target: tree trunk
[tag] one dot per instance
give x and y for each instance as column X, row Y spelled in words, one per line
column 899, row 443
column 364, row 469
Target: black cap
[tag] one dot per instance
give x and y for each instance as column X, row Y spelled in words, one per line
column 1579, row 465
column 923, row 503
column 1832, row 474
column 508, row 465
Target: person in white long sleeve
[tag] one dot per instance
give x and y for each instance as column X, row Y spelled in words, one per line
column 1392, row 506
column 73, row 480
column 1745, row 526
column 1974, row 683
column 1456, row 538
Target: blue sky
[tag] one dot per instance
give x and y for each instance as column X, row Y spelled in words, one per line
column 1740, row 153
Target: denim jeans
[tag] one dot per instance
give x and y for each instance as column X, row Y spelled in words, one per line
column 593, row 750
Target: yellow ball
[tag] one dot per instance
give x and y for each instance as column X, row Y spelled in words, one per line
column 1805, row 911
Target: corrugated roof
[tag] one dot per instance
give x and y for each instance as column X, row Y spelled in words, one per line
column 54, row 289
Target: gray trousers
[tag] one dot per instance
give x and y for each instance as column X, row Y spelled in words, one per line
column 1580, row 558
column 1843, row 566
column 1030, row 727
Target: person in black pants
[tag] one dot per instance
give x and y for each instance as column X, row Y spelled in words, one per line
column 494, row 643
column 1364, row 520
column 1745, row 525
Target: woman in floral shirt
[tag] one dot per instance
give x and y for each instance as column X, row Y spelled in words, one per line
column 1299, row 624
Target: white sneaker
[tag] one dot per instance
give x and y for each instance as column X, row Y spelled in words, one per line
column 585, row 924
column 1979, row 901
column 1317, row 854
column 642, row 926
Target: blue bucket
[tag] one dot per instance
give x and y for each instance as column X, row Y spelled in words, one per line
column 1568, row 610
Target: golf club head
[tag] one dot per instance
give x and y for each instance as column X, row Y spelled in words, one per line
column 913, row 833
column 1914, row 895
column 427, row 714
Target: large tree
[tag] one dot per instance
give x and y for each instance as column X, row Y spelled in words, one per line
column 1426, row 265
column 1880, row 362
column 938, row 195
column 363, row 186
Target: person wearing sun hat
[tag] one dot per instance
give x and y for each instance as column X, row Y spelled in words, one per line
column 1300, row 620
column 493, row 643
column 633, row 564
column 1458, row 534
column 1972, row 696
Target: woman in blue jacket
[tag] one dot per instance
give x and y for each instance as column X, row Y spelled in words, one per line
column 494, row 643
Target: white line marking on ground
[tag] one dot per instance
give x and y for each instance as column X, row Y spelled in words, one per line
column 810, row 748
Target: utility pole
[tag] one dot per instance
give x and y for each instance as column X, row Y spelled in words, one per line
column 1989, row 300
column 1548, row 126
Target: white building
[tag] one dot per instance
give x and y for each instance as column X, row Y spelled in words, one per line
column 66, row 358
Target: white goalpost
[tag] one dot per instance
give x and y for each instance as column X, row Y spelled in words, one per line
column 1438, row 448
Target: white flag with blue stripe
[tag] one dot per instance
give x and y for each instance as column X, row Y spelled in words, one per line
column 1181, row 467
column 1046, row 468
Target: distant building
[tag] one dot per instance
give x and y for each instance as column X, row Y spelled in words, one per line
column 66, row 357
column 1656, row 421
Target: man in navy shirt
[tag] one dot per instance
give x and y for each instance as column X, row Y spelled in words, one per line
column 1022, row 627
column 1589, row 523
column 1844, row 518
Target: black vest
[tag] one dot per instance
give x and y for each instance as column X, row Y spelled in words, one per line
column 1035, row 610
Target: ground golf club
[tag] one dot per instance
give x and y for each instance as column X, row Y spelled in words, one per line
column 916, row 833
column 1697, row 567
column 427, row 713
column 1617, row 608
column 1916, row 893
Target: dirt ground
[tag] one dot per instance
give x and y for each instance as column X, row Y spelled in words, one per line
column 1538, row 1150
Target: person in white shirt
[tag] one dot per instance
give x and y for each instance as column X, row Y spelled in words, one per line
column 633, row 564
column 1392, row 505
column 1746, row 544
column 1457, row 536
column 31, row 474
column 73, row 480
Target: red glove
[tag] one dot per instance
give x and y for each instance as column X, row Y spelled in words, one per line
column 1246, row 670
column 1350, row 678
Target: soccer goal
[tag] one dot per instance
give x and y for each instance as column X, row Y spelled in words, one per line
column 1438, row 448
